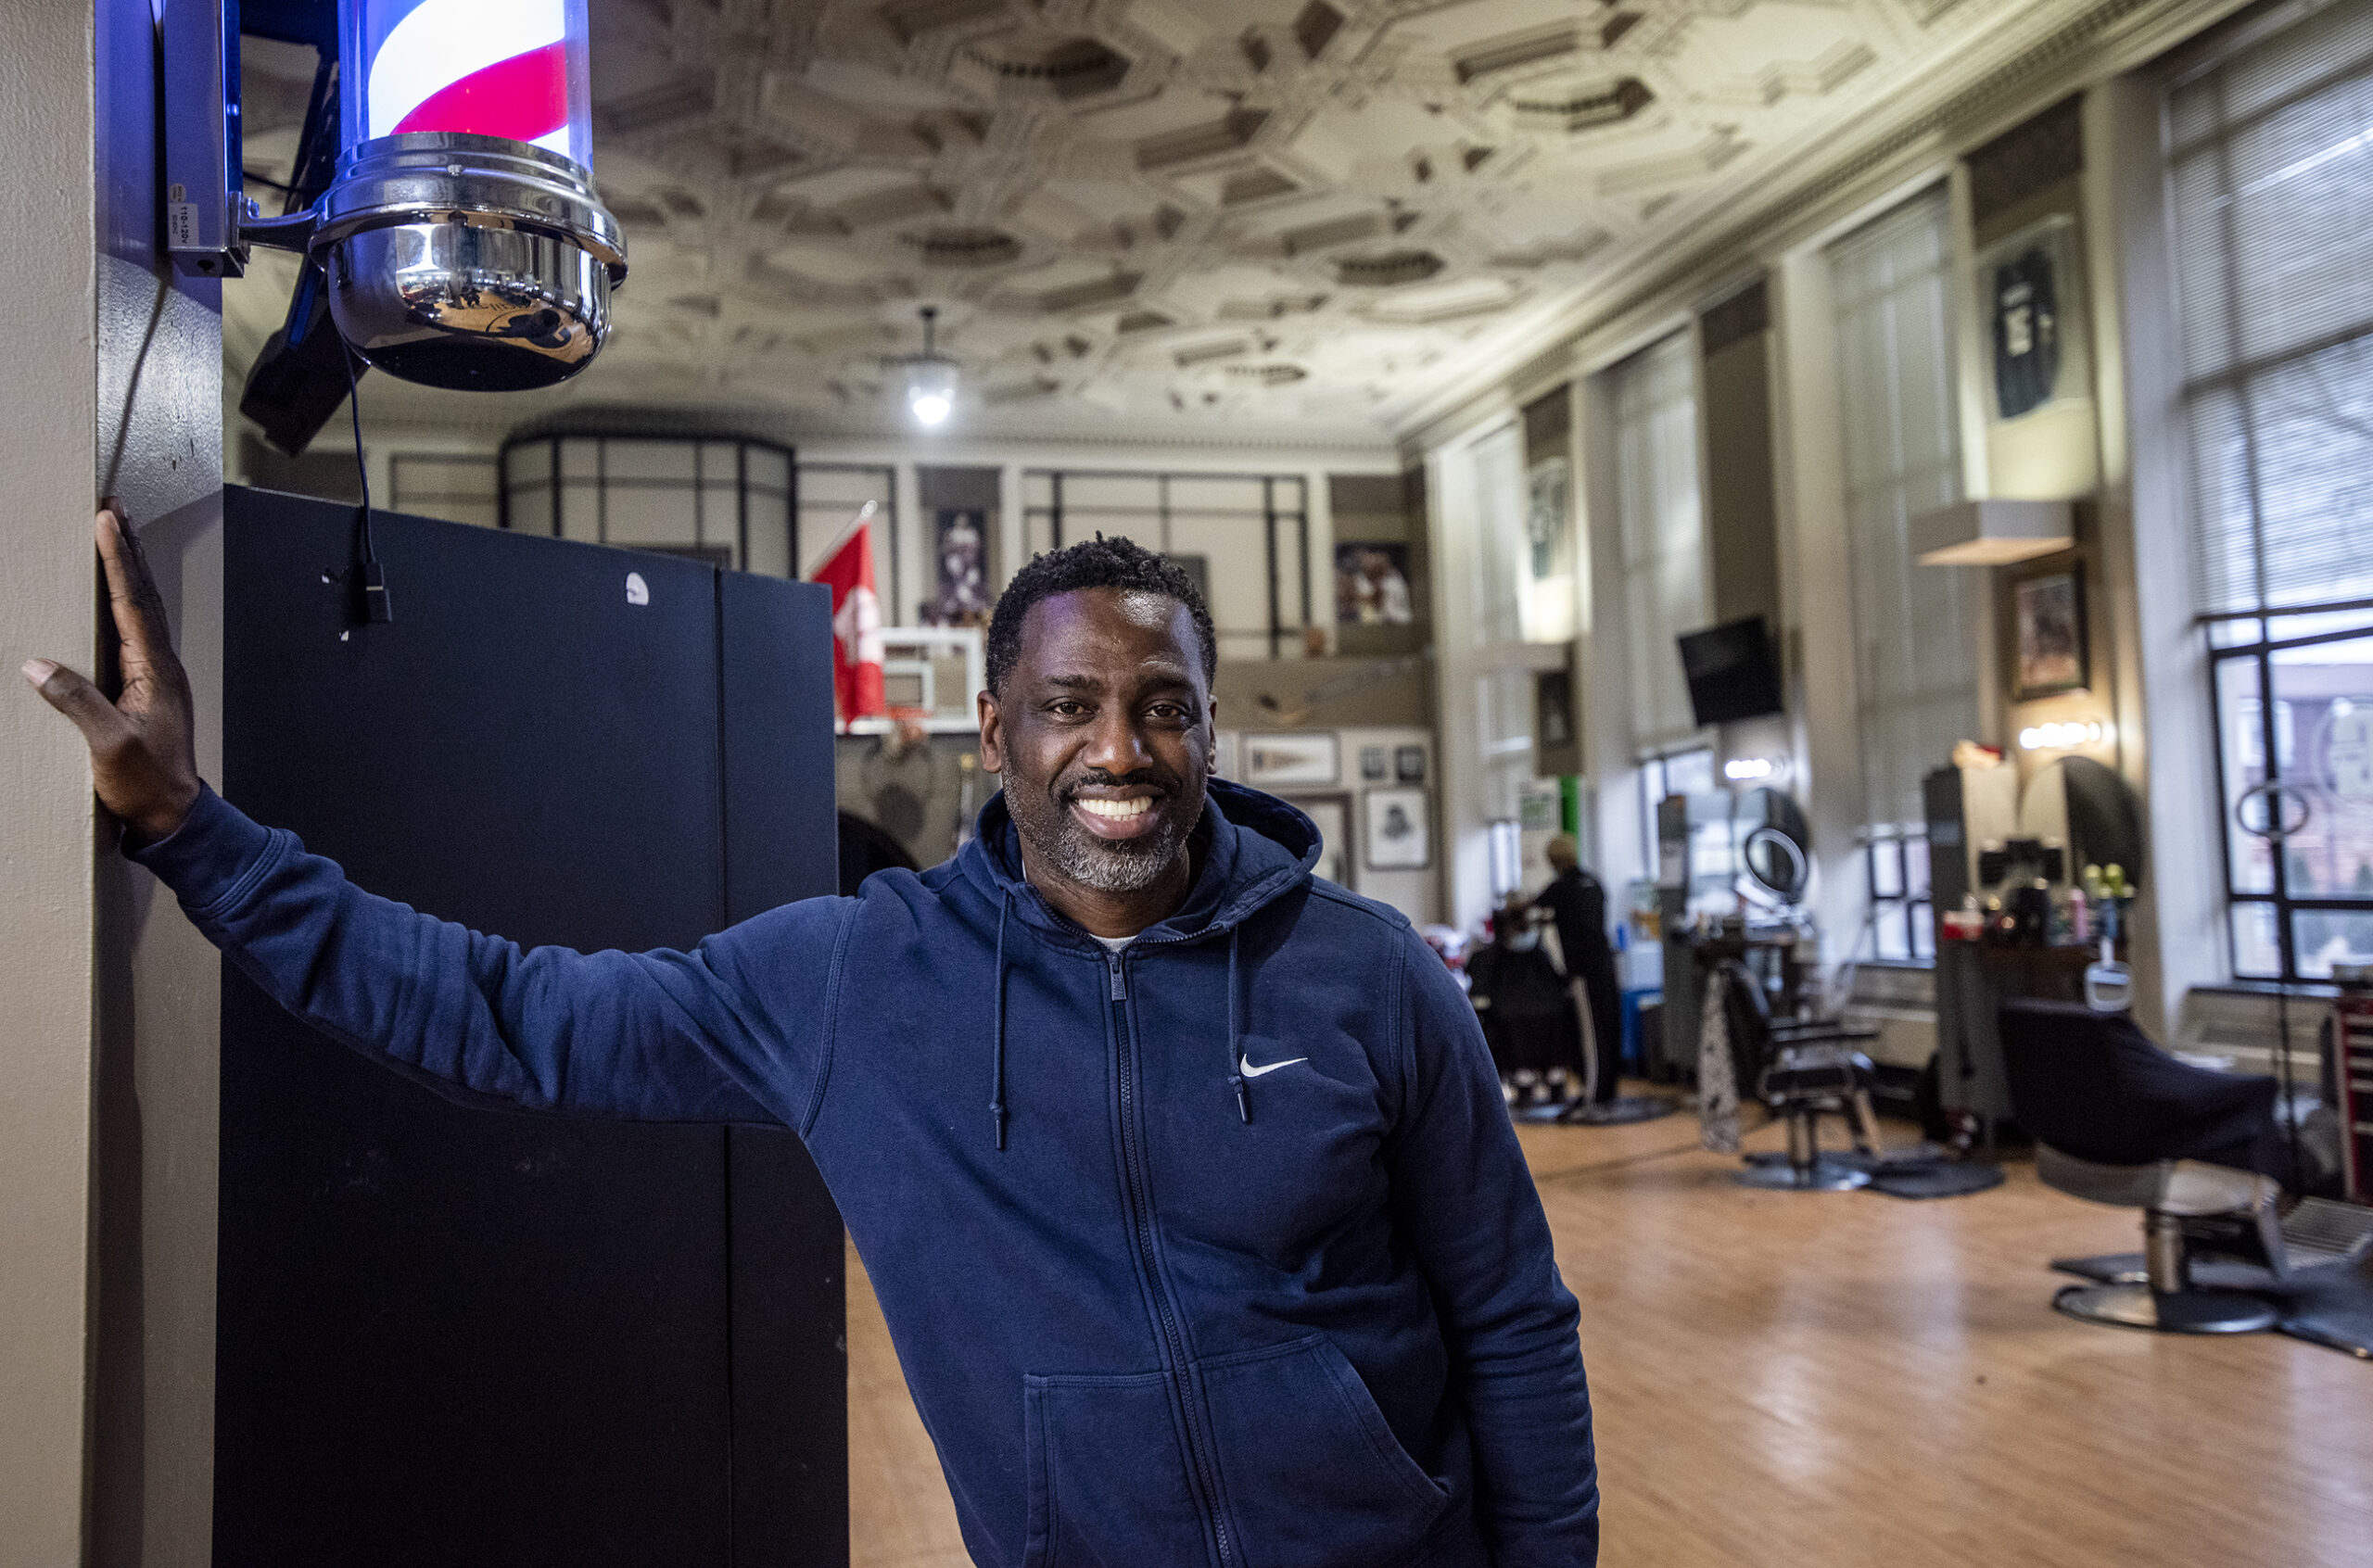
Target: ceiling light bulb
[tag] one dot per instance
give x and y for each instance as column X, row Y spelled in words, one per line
column 931, row 389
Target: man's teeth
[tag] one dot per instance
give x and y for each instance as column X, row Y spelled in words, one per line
column 1120, row 811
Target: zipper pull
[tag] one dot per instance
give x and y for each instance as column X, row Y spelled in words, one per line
column 1120, row 980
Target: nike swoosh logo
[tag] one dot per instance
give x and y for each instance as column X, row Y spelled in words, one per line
column 1251, row 1071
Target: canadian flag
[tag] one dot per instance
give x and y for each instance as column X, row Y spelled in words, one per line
column 857, row 627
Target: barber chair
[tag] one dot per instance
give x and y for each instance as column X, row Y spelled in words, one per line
column 1800, row 1069
column 2117, row 1120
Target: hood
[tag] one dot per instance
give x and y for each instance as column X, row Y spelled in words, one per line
column 1258, row 848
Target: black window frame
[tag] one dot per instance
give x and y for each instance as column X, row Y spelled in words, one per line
column 2284, row 903
column 1272, row 516
column 699, row 485
column 1882, row 843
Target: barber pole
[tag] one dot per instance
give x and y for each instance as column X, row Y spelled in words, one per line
column 513, row 69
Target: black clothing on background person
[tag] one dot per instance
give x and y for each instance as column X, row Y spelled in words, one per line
column 1579, row 904
column 1527, row 1014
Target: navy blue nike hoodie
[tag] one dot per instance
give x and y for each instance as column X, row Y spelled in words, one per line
column 1218, row 1250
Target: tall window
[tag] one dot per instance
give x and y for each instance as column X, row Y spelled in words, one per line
column 1654, row 398
column 457, row 486
column 725, row 501
column 1914, row 627
column 1244, row 539
column 830, row 496
column 2269, row 150
column 1501, row 574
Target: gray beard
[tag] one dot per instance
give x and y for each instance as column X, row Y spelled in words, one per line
column 1113, row 869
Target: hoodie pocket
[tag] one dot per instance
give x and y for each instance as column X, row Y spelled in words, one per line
column 1108, row 1482
column 1314, row 1475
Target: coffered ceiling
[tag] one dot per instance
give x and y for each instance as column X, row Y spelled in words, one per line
column 1257, row 214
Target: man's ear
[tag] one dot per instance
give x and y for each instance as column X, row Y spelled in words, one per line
column 992, row 735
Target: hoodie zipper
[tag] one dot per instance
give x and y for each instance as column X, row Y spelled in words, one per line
column 1141, row 1225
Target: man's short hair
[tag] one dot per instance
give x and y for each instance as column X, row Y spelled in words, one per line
column 1099, row 562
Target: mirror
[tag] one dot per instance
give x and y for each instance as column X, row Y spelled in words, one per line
column 2089, row 809
column 1776, row 850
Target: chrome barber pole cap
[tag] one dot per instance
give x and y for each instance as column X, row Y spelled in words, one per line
column 468, row 261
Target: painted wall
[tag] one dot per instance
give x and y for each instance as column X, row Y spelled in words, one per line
column 48, row 440
column 106, row 1074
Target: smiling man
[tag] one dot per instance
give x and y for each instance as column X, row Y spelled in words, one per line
column 1183, row 1177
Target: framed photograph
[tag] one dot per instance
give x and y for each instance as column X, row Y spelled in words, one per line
column 1333, row 815
column 1409, row 764
column 1374, row 767
column 2049, row 613
column 960, row 596
column 1396, row 835
column 1372, row 584
column 1544, row 523
column 1290, row 761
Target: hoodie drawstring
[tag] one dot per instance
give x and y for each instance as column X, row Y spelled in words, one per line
column 1235, row 1045
column 997, row 1060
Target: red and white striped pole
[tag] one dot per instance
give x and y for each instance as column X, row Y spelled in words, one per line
column 513, row 69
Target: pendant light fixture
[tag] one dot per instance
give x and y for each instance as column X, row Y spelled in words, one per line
column 929, row 378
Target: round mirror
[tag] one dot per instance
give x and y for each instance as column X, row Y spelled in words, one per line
column 1775, row 861
column 2087, row 808
column 1776, row 850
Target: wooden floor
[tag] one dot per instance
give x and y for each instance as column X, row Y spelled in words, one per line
column 1848, row 1381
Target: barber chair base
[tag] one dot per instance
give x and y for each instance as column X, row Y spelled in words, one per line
column 1821, row 1176
column 2189, row 1311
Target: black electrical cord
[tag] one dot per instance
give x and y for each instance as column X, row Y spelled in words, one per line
column 371, row 581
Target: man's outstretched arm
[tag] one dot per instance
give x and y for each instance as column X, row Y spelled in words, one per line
column 665, row 1036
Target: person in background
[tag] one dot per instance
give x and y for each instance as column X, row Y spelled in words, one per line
column 1576, row 901
column 1528, row 1018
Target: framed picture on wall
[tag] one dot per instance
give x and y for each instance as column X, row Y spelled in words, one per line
column 1396, row 835
column 2047, row 613
column 1332, row 814
column 1409, row 764
column 1372, row 584
column 1544, row 523
column 960, row 552
column 1374, row 768
column 1290, row 761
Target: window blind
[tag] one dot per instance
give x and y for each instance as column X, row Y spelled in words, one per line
column 1664, row 531
column 1915, row 625
column 2269, row 148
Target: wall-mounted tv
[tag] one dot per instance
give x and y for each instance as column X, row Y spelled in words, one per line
column 1733, row 671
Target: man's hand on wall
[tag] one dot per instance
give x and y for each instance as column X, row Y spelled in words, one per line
column 144, row 760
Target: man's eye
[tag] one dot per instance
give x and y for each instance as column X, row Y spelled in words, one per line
column 1068, row 707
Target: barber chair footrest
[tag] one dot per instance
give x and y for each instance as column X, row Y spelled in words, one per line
column 2108, row 1267
column 2191, row 1311
column 1825, row 1176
